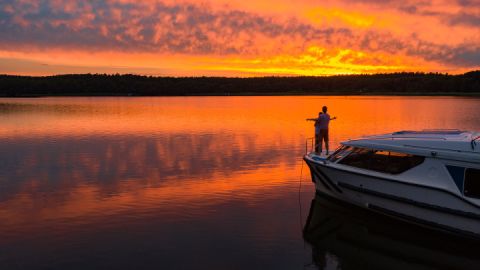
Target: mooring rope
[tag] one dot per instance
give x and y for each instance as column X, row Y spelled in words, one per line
column 300, row 200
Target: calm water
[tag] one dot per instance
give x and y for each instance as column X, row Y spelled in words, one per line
column 186, row 182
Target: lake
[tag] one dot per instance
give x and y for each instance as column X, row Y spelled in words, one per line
column 191, row 182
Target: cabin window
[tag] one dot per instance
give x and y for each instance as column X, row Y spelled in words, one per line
column 472, row 183
column 340, row 153
column 359, row 158
column 381, row 161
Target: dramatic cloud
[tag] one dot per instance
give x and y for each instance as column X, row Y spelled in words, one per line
column 465, row 18
column 157, row 27
column 352, row 36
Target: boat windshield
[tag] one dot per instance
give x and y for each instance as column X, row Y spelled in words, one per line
column 340, row 153
column 381, row 161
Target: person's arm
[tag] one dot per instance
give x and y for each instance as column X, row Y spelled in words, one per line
column 333, row 118
column 311, row 119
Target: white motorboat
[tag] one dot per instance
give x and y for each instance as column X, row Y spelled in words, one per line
column 429, row 177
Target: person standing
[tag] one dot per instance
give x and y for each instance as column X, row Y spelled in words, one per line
column 323, row 122
column 317, row 132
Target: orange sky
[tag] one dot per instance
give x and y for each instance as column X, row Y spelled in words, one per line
column 238, row 38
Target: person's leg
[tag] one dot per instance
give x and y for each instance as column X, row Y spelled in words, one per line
column 325, row 137
column 317, row 142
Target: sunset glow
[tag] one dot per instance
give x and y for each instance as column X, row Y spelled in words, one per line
column 238, row 38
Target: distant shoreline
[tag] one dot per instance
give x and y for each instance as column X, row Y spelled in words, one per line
column 284, row 94
column 393, row 84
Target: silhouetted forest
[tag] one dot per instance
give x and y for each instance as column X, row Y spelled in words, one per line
column 135, row 85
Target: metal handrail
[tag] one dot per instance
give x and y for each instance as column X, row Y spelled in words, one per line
column 441, row 129
column 311, row 143
column 434, row 130
column 473, row 143
column 400, row 137
column 414, row 137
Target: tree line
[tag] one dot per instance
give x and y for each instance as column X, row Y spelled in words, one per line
column 135, row 85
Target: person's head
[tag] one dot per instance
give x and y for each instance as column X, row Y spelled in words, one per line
column 320, row 113
column 324, row 109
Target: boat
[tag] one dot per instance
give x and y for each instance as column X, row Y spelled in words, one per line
column 430, row 177
column 353, row 238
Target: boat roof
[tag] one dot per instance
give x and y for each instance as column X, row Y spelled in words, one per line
column 424, row 142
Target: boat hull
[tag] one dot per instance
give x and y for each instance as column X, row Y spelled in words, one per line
column 418, row 204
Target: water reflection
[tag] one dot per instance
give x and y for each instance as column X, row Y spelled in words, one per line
column 70, row 178
column 178, row 182
column 107, row 160
column 347, row 237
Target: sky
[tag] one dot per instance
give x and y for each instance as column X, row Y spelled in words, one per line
column 239, row 38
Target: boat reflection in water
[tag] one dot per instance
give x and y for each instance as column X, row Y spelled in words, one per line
column 348, row 237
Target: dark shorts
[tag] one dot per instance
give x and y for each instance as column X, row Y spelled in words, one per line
column 324, row 135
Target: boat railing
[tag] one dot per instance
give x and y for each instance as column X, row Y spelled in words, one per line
column 309, row 141
column 473, row 143
column 416, row 137
column 391, row 138
column 430, row 131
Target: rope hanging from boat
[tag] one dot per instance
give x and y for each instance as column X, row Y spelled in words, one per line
column 300, row 194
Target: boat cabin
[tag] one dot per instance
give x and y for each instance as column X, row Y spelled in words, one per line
column 399, row 152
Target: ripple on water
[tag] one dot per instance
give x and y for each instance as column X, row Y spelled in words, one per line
column 207, row 182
